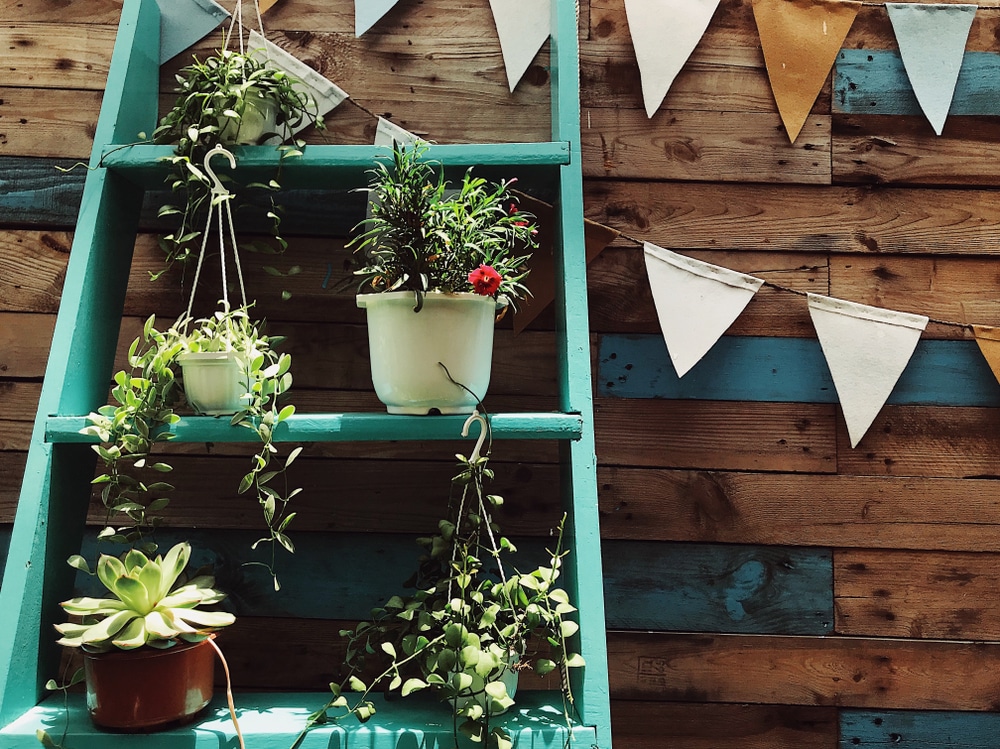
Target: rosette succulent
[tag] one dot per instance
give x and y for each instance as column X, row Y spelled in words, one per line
column 150, row 604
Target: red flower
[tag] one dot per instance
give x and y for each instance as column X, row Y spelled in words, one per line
column 485, row 280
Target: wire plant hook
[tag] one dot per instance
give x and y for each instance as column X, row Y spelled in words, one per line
column 217, row 187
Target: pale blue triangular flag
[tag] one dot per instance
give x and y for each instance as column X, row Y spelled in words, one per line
column 696, row 302
column 368, row 12
column 185, row 22
column 867, row 349
column 664, row 34
column 932, row 41
column 387, row 133
column 523, row 26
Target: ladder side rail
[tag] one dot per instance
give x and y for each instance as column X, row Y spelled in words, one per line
column 55, row 492
column 579, row 461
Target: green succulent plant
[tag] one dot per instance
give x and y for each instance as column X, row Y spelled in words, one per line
column 150, row 604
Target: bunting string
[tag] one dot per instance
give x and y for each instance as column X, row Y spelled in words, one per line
column 778, row 287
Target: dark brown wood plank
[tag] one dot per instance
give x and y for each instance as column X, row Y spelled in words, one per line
column 791, row 437
column 925, row 595
column 784, row 509
column 841, row 671
column 64, row 55
column 787, row 218
column 939, row 441
column 883, row 149
column 52, row 125
column 703, row 146
column 689, row 725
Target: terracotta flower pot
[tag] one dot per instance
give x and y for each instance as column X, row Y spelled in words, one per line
column 147, row 689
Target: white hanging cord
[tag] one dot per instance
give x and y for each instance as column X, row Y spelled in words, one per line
column 219, row 200
column 484, row 512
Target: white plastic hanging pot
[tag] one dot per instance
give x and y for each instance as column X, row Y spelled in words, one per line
column 215, row 383
column 406, row 348
column 260, row 116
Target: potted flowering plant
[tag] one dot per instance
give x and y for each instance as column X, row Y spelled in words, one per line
column 472, row 626
column 147, row 650
column 437, row 264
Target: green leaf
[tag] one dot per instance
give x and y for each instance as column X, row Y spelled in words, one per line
column 389, row 649
column 568, row 628
column 356, row 684
column 79, row 563
column 544, row 666
column 413, row 685
column 575, row 660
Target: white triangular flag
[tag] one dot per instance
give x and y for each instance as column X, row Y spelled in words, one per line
column 523, row 26
column 866, row 349
column 932, row 41
column 326, row 93
column 368, row 12
column 695, row 302
column 387, row 133
column 664, row 34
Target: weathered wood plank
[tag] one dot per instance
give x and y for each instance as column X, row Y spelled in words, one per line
column 58, row 126
column 31, row 11
column 703, row 146
column 697, row 588
column 847, row 672
column 788, row 370
column 35, row 193
column 883, row 149
column 689, row 725
column 63, row 55
column 791, row 218
column 784, row 509
column 715, row 434
column 955, row 289
column 924, row 441
column 324, row 357
column 927, row 595
column 708, row 588
column 872, row 81
column 886, row 729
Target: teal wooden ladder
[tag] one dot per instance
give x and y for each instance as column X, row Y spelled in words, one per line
column 51, row 512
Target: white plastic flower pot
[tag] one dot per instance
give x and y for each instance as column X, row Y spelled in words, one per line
column 214, row 382
column 260, row 116
column 406, row 348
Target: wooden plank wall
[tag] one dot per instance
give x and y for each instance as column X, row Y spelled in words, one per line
column 768, row 586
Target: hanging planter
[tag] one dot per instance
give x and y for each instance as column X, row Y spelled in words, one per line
column 215, row 382
column 408, row 350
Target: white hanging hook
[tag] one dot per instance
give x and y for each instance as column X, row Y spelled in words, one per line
column 217, row 187
column 476, row 416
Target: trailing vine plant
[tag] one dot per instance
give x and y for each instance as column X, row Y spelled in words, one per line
column 144, row 399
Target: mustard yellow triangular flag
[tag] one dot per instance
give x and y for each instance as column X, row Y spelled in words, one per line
column 988, row 339
column 266, row 5
column 800, row 40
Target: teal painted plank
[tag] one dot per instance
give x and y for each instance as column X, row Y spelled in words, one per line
column 347, row 427
column 649, row 585
column 869, row 81
column 889, row 729
column 35, row 193
column 718, row 588
column 273, row 720
column 787, row 370
column 344, row 167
